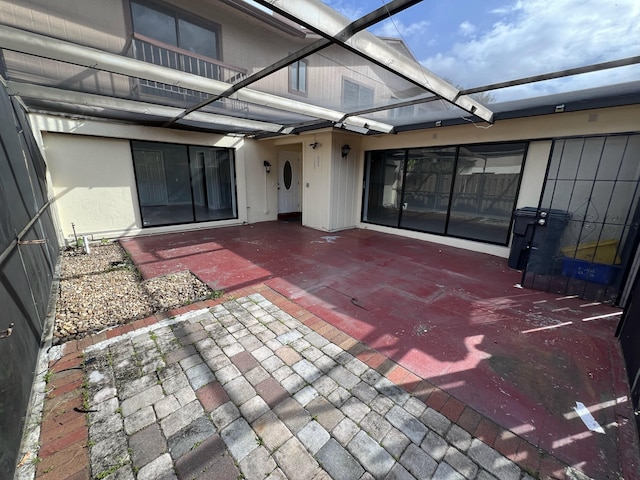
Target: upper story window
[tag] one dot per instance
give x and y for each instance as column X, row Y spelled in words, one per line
column 356, row 96
column 407, row 111
column 298, row 77
column 173, row 28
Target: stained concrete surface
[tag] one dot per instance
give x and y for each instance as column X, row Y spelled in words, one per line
column 454, row 317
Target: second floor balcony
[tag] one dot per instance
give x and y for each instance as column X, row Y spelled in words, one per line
column 152, row 51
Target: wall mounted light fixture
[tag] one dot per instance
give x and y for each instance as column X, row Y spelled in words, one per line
column 267, row 166
column 345, row 150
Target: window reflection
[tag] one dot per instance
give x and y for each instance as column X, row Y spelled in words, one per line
column 427, row 190
column 384, row 186
column 485, row 189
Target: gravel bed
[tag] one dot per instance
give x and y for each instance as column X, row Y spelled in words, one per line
column 103, row 289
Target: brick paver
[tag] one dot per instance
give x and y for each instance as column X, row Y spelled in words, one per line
column 256, row 387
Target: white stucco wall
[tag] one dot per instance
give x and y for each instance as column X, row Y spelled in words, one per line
column 91, row 170
column 93, row 184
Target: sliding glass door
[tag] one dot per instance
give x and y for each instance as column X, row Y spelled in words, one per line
column 183, row 184
column 384, row 187
column 463, row 191
column 428, row 189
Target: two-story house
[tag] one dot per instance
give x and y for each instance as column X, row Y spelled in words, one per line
column 159, row 116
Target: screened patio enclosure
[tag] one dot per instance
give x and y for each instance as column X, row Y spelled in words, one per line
column 277, row 71
column 105, row 62
column 155, row 116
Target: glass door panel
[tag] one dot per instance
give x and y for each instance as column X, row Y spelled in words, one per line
column 384, row 187
column 427, row 189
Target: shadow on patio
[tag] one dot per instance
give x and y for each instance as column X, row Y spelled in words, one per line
column 456, row 318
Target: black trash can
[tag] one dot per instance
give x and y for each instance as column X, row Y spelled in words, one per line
column 545, row 239
column 524, row 221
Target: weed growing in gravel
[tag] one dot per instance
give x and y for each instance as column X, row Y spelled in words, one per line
column 215, row 294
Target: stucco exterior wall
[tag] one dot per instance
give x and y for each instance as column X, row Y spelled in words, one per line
column 93, row 182
column 91, row 171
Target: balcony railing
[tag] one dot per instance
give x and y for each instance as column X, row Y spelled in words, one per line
column 158, row 53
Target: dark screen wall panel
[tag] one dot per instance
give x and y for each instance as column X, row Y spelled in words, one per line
column 26, row 270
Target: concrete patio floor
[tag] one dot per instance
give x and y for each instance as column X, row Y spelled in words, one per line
column 366, row 355
column 456, row 318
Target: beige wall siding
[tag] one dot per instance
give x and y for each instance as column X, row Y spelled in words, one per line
column 345, row 186
column 533, row 175
column 246, row 41
column 316, row 181
column 95, row 23
column 260, row 186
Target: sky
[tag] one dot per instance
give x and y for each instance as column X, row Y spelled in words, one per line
column 478, row 42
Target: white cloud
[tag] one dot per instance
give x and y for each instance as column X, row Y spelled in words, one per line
column 396, row 28
column 541, row 36
column 467, row 29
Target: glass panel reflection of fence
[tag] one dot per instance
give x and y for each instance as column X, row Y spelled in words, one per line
column 490, row 195
column 177, row 59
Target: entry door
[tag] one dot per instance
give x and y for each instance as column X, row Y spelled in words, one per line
column 288, row 182
column 586, row 229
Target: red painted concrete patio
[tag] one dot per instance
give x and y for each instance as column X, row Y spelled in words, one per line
column 454, row 317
